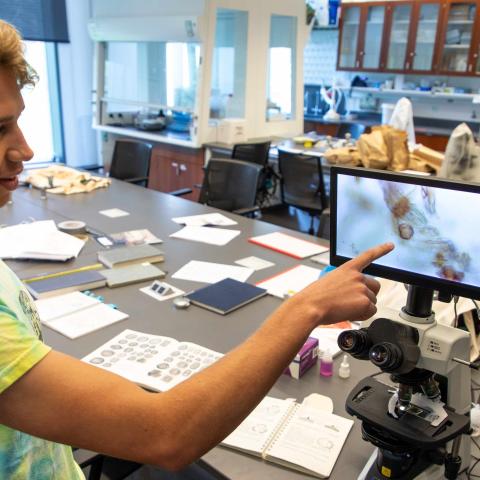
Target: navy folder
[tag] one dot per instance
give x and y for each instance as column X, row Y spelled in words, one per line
column 225, row 296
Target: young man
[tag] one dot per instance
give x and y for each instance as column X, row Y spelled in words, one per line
column 48, row 399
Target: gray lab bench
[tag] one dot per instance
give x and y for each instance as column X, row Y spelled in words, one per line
column 154, row 210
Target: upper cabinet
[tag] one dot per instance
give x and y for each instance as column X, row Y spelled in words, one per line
column 423, row 36
column 349, row 39
column 457, row 44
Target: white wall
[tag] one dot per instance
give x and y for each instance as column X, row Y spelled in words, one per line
column 75, row 70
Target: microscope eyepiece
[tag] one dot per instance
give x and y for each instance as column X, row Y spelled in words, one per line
column 355, row 342
column 386, row 356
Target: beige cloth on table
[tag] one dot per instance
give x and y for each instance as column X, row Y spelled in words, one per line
column 65, row 180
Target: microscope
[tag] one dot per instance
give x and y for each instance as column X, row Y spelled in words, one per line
column 416, row 409
column 420, row 424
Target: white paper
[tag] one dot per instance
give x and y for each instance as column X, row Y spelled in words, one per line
column 207, row 219
column 176, row 292
column 86, row 321
column 54, row 307
column 114, row 213
column 210, row 235
column 291, row 281
column 38, row 240
column 208, row 272
column 254, row 262
column 289, row 245
column 322, row 258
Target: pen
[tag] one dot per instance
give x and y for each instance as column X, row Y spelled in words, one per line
column 94, row 266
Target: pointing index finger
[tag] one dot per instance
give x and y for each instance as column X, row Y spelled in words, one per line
column 368, row 256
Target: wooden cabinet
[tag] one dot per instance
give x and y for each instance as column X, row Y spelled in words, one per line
column 320, row 128
column 459, row 42
column 173, row 167
column 361, row 38
column 423, row 36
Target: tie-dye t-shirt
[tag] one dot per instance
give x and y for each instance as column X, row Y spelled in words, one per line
column 22, row 456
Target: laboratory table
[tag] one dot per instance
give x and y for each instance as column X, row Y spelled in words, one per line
column 154, row 210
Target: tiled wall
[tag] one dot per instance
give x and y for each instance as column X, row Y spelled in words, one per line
column 321, row 56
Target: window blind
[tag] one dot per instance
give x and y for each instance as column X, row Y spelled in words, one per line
column 41, row 20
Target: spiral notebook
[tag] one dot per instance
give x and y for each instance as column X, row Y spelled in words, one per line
column 296, row 436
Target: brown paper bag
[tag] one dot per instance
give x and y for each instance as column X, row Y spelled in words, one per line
column 373, row 149
column 424, row 159
column 397, row 147
column 343, row 156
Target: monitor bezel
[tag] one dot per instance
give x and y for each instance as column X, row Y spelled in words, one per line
column 426, row 281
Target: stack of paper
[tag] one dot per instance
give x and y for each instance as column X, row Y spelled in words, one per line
column 208, row 272
column 210, row 235
column 76, row 314
column 291, row 281
column 39, row 241
column 216, row 219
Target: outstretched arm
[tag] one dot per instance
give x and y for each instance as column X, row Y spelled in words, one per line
column 67, row 401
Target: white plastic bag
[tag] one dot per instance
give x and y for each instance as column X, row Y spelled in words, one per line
column 402, row 118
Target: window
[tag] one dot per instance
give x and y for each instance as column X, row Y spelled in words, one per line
column 40, row 120
column 282, row 66
column 151, row 74
column 227, row 98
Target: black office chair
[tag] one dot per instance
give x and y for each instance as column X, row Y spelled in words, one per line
column 231, row 185
column 259, row 153
column 302, row 184
column 252, row 152
column 354, row 129
column 131, row 161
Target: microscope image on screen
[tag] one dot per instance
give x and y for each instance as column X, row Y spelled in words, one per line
column 433, row 229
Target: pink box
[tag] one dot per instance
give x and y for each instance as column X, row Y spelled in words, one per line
column 305, row 358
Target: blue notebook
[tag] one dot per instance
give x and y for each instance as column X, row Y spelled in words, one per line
column 225, row 296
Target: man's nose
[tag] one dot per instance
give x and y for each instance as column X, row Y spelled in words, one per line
column 20, row 151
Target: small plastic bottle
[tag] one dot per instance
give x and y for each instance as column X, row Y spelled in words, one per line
column 326, row 364
column 344, row 370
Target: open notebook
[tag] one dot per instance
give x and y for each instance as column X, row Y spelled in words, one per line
column 151, row 361
column 298, row 436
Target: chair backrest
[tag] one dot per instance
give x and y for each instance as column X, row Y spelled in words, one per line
column 130, row 159
column 302, row 182
column 230, row 184
column 252, row 152
column 354, row 129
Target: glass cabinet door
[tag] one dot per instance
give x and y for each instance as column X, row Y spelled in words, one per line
column 458, row 37
column 399, row 37
column 373, row 37
column 426, row 36
column 349, row 40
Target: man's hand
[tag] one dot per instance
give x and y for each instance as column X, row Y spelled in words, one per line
column 345, row 293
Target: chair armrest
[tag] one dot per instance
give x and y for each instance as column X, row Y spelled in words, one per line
column 136, row 179
column 246, row 211
column 180, row 192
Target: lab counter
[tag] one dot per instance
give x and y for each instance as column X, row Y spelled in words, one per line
column 423, row 125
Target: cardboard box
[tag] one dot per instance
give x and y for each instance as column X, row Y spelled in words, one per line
column 305, row 359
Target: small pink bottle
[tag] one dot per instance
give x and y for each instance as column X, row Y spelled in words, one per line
column 326, row 364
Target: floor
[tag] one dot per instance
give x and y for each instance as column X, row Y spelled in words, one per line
column 295, row 219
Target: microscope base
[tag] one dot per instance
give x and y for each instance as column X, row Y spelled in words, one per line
column 433, row 472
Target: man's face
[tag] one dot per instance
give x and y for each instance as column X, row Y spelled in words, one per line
column 14, row 150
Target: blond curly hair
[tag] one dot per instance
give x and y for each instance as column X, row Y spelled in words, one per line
column 12, row 55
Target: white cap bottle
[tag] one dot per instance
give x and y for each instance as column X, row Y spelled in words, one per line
column 344, row 370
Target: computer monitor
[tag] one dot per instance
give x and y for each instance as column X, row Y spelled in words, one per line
column 434, row 224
